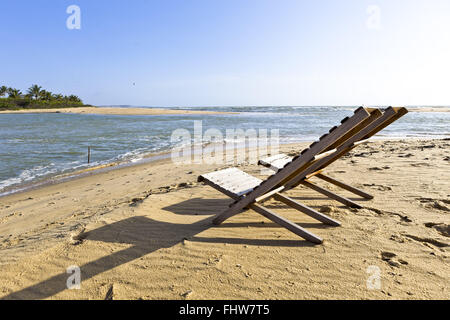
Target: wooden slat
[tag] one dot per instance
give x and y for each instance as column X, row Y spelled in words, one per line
column 294, row 179
column 396, row 109
column 286, row 224
column 313, row 174
column 306, row 210
column 344, row 186
column 390, row 115
column 361, row 142
column 269, row 194
column 232, row 195
column 375, row 113
column 324, row 154
column 268, row 160
column 319, row 147
column 399, row 112
column 233, row 182
column 279, row 162
column 330, row 194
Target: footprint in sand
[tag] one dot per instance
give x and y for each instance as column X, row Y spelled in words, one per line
column 9, row 216
column 332, row 211
column 428, row 147
column 78, row 235
column 409, row 155
column 430, row 203
column 110, row 293
column 187, row 294
column 136, row 201
column 431, row 241
column 397, row 238
column 442, row 228
column 378, row 187
column 392, row 259
column 421, row 164
column 363, row 154
column 370, row 211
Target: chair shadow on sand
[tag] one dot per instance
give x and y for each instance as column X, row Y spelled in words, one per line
column 146, row 235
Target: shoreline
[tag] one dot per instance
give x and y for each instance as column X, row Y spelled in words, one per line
column 146, row 159
column 114, row 111
column 161, row 111
column 78, row 174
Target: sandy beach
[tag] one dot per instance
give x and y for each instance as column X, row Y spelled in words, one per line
column 113, row 111
column 157, row 111
column 145, row 232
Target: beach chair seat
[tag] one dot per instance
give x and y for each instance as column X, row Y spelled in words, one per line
column 236, row 183
column 276, row 162
column 279, row 161
column 250, row 192
column 232, row 182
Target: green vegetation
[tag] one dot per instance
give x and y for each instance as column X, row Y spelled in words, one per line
column 35, row 98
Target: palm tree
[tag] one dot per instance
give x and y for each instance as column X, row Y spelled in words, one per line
column 35, row 91
column 14, row 93
column 3, row 91
column 45, row 95
column 74, row 98
column 58, row 97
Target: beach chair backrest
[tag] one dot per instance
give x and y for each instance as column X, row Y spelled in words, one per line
column 306, row 156
column 388, row 116
column 336, row 146
column 378, row 123
column 374, row 114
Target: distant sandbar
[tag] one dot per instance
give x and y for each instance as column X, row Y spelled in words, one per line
column 114, row 111
column 429, row 109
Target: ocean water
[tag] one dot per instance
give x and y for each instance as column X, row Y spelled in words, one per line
column 34, row 147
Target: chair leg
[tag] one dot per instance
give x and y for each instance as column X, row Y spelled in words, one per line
column 273, row 217
column 286, row 224
column 228, row 213
column 344, row 186
column 331, row 195
column 306, row 210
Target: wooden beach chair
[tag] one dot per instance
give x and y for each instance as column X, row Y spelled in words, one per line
column 348, row 140
column 250, row 192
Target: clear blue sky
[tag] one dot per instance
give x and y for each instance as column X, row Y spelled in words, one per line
column 231, row 52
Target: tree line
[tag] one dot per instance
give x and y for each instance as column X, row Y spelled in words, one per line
column 35, row 97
